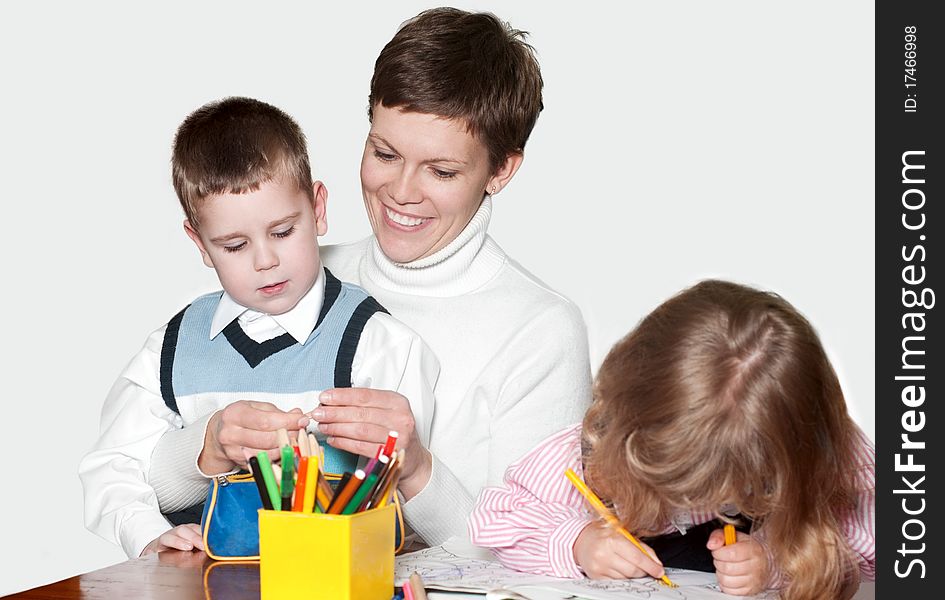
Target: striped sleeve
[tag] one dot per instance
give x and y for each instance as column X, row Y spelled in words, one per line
column 859, row 523
column 532, row 521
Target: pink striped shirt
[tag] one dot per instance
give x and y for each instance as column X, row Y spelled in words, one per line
column 532, row 522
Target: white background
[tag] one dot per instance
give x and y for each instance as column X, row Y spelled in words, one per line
column 679, row 141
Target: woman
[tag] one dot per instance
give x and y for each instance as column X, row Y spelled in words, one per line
column 453, row 100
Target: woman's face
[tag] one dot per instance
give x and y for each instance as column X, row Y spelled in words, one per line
column 423, row 177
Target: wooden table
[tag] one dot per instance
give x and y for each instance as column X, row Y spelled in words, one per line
column 185, row 576
column 177, row 575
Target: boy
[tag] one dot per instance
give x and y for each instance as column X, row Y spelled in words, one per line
column 282, row 330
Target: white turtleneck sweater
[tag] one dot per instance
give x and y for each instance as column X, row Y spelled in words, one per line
column 513, row 356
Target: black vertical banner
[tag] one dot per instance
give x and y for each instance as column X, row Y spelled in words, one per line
column 910, row 367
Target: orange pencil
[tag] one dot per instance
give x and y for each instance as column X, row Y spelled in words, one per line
column 344, row 494
column 297, row 502
column 608, row 516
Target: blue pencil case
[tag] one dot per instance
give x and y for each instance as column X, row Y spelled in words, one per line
column 230, row 521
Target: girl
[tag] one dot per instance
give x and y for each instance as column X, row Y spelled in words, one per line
column 721, row 406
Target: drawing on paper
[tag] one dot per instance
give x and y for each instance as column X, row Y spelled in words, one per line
column 444, row 569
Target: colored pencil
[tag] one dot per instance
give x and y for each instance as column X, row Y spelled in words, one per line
column 608, row 516
column 269, row 476
column 416, row 586
column 288, row 477
column 391, row 442
column 408, row 591
column 729, row 534
column 260, row 482
column 298, row 500
column 283, row 436
column 344, row 493
column 311, row 482
column 304, row 447
column 360, row 494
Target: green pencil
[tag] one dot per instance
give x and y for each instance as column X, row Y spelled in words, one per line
column 265, row 467
column 288, row 477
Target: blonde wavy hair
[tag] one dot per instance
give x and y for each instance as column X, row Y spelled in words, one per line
column 724, row 395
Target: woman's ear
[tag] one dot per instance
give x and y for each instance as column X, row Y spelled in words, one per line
column 192, row 233
column 504, row 173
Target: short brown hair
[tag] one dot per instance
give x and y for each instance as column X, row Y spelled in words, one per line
column 466, row 66
column 724, row 394
column 233, row 146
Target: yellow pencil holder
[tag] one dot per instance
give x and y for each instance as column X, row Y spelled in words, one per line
column 336, row 557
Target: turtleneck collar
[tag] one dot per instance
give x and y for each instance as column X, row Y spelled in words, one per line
column 463, row 265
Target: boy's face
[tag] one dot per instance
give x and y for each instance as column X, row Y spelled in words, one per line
column 263, row 244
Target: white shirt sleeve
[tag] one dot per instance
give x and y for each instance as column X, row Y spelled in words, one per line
column 391, row 356
column 538, row 385
column 120, row 504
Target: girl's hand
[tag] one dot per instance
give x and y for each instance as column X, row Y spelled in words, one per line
column 359, row 419
column 604, row 553
column 183, row 537
column 742, row 568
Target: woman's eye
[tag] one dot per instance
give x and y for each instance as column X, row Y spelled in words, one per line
column 440, row 173
column 384, row 156
column 285, row 233
column 235, row 247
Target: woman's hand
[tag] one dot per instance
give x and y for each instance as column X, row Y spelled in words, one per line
column 183, row 537
column 742, row 568
column 243, row 429
column 359, row 419
column 604, row 553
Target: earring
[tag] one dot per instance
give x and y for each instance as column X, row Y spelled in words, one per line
column 492, row 190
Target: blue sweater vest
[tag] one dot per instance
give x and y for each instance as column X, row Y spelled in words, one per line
column 193, row 366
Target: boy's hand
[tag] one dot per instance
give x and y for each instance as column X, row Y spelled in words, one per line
column 742, row 568
column 183, row 537
column 604, row 553
column 359, row 419
column 241, row 430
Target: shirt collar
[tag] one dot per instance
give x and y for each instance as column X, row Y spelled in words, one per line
column 297, row 322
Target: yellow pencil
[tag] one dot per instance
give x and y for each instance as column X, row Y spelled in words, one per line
column 608, row 516
column 729, row 530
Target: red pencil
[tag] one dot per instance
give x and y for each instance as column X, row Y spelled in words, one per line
column 391, row 442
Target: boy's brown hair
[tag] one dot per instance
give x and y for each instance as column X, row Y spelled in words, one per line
column 724, row 395
column 466, row 66
column 233, row 146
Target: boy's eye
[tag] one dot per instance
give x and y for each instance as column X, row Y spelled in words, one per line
column 284, row 233
column 234, row 247
column 384, row 156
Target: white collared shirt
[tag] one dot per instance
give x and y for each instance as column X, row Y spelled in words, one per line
column 298, row 322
